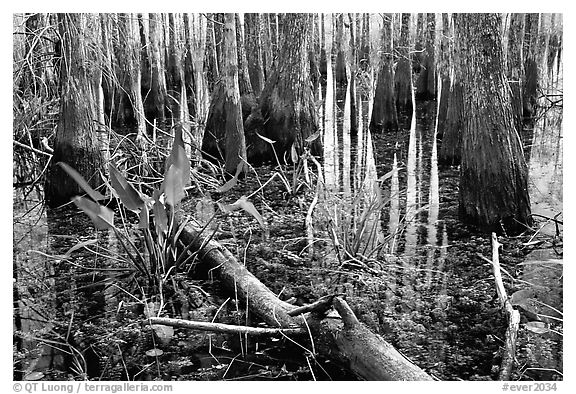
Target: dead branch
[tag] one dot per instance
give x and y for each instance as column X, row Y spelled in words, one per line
column 225, row 328
column 512, row 314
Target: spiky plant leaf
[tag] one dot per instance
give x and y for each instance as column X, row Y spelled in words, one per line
column 143, row 217
column 294, row 154
column 233, row 181
column 247, row 206
column 268, row 140
column 102, row 217
column 160, row 216
column 96, row 196
column 129, row 196
column 173, row 186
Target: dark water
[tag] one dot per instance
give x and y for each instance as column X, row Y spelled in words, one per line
column 414, row 275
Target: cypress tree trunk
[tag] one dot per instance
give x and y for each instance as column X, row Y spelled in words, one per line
column 493, row 173
column 254, row 51
column 403, row 74
column 341, row 51
column 426, row 83
column 132, row 68
column 287, row 101
column 384, row 117
column 267, row 46
column 224, row 126
column 212, row 69
column 314, row 52
column 243, row 75
column 76, row 142
column 515, row 69
column 365, row 43
column 530, row 85
column 247, row 98
column 444, row 66
column 452, row 137
column 198, row 42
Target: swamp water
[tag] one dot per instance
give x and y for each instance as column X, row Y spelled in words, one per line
column 416, row 278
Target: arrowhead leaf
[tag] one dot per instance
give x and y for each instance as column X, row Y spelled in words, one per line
column 126, row 192
column 160, row 216
column 102, row 217
column 173, row 186
column 143, row 218
column 96, row 196
column 294, row 154
column 313, row 136
column 244, row 204
column 233, row 181
column 268, row 140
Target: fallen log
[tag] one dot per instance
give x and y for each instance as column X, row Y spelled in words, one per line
column 345, row 340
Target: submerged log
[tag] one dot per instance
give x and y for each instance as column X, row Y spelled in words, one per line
column 344, row 340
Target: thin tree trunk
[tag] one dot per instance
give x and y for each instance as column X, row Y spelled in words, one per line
column 158, row 91
column 198, row 36
column 225, row 116
column 267, row 45
column 530, row 86
column 341, row 46
column 129, row 23
column 515, row 65
column 213, row 72
column 444, row 66
column 493, row 173
column 384, row 117
column 75, row 143
column 403, row 74
column 254, row 51
column 426, row 83
column 452, row 136
column 243, row 75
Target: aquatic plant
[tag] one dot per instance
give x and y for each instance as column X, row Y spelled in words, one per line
column 157, row 222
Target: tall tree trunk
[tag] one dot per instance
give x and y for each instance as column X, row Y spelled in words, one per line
column 158, row 91
column 254, row 51
column 287, row 101
column 365, row 43
column 247, row 98
column 76, row 143
column 403, row 74
column 444, row 66
column 243, row 75
column 354, row 69
column 384, row 117
column 198, row 42
column 225, row 116
column 426, row 83
column 132, row 52
column 515, row 69
column 493, row 173
column 267, row 46
column 341, row 46
column 531, row 48
column 314, row 53
column 450, row 149
column 212, row 69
